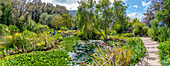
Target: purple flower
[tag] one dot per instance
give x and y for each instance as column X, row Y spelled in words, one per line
column 84, row 63
column 16, row 48
column 20, row 50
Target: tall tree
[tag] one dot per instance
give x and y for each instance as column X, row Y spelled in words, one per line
column 83, row 17
column 120, row 16
column 164, row 14
column 5, row 12
column 152, row 10
column 100, row 15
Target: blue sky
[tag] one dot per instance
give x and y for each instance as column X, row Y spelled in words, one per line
column 136, row 8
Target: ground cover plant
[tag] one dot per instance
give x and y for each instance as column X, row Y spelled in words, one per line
column 52, row 57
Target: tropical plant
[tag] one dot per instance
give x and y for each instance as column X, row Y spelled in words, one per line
column 115, row 52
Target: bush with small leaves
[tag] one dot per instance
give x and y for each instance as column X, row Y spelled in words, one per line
column 40, row 28
column 13, row 29
column 4, row 30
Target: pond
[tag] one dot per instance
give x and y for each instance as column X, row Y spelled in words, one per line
column 84, row 50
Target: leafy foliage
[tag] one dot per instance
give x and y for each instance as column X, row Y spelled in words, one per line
column 163, row 14
column 52, row 57
column 26, row 42
column 13, row 29
column 68, row 43
column 157, row 32
column 127, row 35
column 104, row 52
column 164, row 52
column 40, row 28
column 156, row 6
column 4, row 30
column 100, row 16
column 140, row 28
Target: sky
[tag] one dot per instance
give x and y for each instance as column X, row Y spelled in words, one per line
column 136, row 8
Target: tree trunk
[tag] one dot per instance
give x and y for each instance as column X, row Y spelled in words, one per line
column 98, row 29
column 105, row 33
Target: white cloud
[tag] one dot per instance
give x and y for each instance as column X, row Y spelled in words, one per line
column 132, row 14
column 47, row 1
column 144, row 4
column 136, row 15
column 69, row 4
column 135, row 6
column 72, row 6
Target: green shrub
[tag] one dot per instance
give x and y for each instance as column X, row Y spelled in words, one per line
column 4, row 30
column 140, row 28
column 153, row 31
column 132, row 42
column 113, row 32
column 13, row 29
column 29, row 34
column 31, row 25
column 57, row 36
column 114, row 37
column 40, row 58
column 127, row 35
column 163, row 34
column 164, row 52
column 64, row 28
column 117, row 27
column 90, row 34
column 41, row 28
column 27, row 42
column 157, row 32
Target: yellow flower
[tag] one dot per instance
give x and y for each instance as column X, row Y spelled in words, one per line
column 10, row 37
column 2, row 47
column 42, row 42
column 38, row 44
column 65, row 58
column 17, row 34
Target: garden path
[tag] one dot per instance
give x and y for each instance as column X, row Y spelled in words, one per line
column 152, row 58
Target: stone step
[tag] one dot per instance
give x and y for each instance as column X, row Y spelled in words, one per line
column 153, row 58
column 152, row 49
column 151, row 45
column 154, row 63
column 153, row 55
